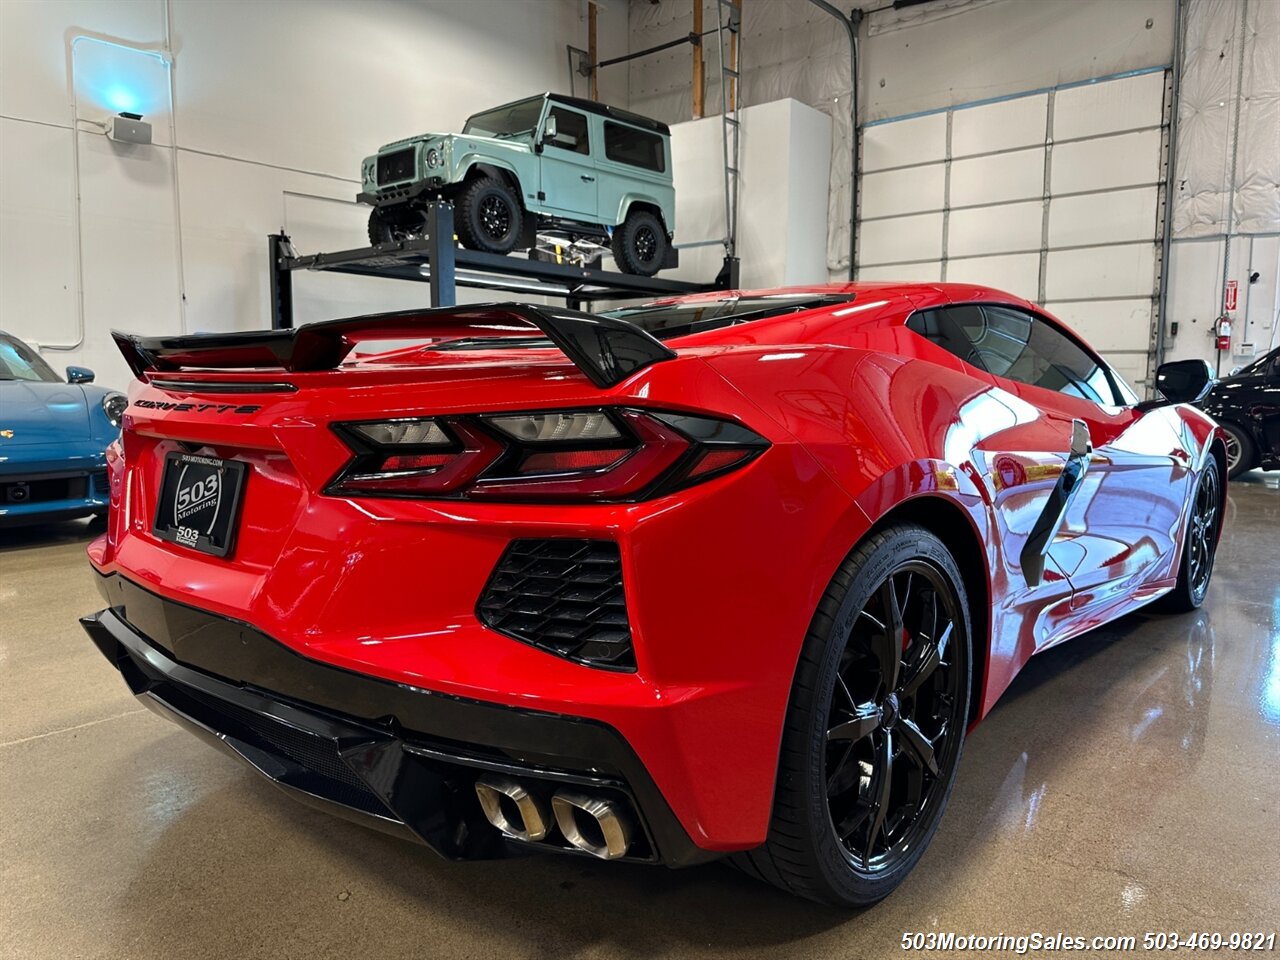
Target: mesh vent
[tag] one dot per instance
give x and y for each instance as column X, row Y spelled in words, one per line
column 564, row 596
column 393, row 167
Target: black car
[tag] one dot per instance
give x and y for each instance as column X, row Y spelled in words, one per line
column 1247, row 404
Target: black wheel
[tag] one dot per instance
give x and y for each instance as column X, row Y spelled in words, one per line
column 875, row 726
column 489, row 217
column 386, row 225
column 1200, row 545
column 640, row 243
column 1241, row 455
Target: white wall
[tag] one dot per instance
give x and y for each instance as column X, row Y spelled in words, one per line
column 964, row 53
column 782, row 214
column 275, row 103
column 919, row 58
column 1227, row 181
column 1195, row 298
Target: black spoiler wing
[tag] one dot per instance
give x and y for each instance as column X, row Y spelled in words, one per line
column 607, row 350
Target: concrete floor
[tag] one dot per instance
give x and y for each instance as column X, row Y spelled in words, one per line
column 1130, row 781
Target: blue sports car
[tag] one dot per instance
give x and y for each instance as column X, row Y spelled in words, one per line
column 53, row 438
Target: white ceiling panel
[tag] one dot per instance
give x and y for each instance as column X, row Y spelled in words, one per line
column 896, row 144
column 896, row 192
column 1006, row 176
column 902, row 238
column 1132, row 367
column 1018, row 274
column 1103, row 217
column 999, row 126
column 1120, row 272
column 1108, row 324
column 1002, row 229
column 1109, row 107
column 925, row 272
column 1119, row 161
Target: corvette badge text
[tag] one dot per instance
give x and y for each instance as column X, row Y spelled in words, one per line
column 198, row 407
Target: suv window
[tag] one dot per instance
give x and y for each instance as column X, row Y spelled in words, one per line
column 635, row 147
column 571, row 131
column 1011, row 343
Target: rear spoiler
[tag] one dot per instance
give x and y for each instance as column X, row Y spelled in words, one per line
column 607, row 350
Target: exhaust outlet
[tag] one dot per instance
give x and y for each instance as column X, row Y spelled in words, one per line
column 513, row 809
column 600, row 827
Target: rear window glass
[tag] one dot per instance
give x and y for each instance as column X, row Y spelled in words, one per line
column 629, row 145
column 679, row 319
column 665, row 321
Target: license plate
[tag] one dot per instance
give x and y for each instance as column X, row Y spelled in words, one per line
column 199, row 502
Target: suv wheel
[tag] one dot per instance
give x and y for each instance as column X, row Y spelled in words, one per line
column 640, row 244
column 489, row 217
column 875, row 726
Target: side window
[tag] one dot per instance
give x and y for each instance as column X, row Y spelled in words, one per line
column 1043, row 356
column 635, row 147
column 571, row 131
column 951, row 328
column 1016, row 345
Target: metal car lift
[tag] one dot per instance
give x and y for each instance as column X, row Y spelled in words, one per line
column 434, row 258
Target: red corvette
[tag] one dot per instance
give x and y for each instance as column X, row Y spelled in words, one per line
column 727, row 574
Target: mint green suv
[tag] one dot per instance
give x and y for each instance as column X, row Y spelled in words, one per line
column 548, row 165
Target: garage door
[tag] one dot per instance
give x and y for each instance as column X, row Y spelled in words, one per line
column 1055, row 195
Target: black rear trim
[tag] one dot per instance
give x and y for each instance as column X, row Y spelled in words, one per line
column 606, row 349
column 221, row 386
column 373, row 721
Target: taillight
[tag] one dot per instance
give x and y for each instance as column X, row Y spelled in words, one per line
column 609, row 454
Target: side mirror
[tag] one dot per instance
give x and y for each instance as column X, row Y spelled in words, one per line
column 549, row 131
column 1181, row 381
column 79, row 375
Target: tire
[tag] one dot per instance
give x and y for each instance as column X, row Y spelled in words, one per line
column 1241, row 453
column 386, row 226
column 841, row 723
column 640, row 243
column 488, row 216
column 1199, row 545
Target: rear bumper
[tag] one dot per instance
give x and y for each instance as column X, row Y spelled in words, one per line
column 395, row 757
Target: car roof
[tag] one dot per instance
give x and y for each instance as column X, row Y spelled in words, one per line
column 604, row 110
column 589, row 106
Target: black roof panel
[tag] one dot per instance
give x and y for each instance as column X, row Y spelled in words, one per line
column 604, row 110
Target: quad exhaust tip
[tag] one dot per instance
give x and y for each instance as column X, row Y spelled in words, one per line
column 513, row 809
column 600, row 827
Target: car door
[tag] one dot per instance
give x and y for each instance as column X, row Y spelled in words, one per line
column 1021, row 451
column 568, row 172
column 1263, row 409
column 1119, row 530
